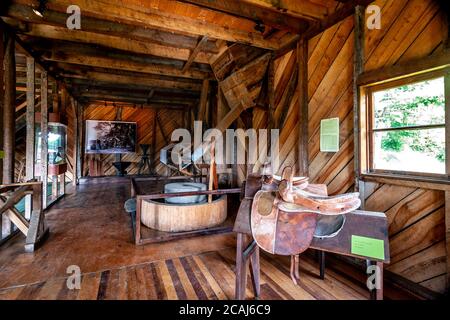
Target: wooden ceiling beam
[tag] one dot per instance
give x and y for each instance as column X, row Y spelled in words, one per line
column 84, row 70
column 129, row 95
column 128, row 98
column 79, row 84
column 25, row 13
column 108, row 41
column 127, row 79
column 122, row 64
column 120, row 104
column 43, row 46
column 298, row 8
column 138, row 14
column 156, row 94
column 256, row 12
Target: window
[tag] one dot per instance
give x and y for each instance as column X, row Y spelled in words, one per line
column 406, row 126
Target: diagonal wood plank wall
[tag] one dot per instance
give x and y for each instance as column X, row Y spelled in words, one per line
column 410, row 30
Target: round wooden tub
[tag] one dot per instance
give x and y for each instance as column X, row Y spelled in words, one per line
column 188, row 217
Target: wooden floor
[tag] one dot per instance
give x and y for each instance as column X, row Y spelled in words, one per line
column 90, row 229
column 205, row 276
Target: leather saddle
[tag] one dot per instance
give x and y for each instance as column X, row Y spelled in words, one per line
column 286, row 215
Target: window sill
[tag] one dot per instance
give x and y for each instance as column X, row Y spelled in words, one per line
column 433, row 183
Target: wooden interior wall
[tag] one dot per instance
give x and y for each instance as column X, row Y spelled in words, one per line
column 410, row 29
column 169, row 119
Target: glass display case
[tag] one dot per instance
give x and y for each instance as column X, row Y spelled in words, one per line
column 57, row 140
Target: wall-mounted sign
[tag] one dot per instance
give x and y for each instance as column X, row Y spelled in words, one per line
column 368, row 247
column 329, row 135
column 2, row 154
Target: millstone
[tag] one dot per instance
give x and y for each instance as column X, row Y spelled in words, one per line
column 178, row 187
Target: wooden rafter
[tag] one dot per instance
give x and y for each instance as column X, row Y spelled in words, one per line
column 194, row 54
column 256, row 12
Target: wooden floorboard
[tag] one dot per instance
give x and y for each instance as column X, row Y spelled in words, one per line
column 182, row 278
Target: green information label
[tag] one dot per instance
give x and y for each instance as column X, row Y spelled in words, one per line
column 329, row 135
column 368, row 247
column 2, row 154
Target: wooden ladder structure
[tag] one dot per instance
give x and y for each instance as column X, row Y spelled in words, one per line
column 34, row 229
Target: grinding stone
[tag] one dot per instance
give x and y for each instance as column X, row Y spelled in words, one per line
column 185, row 187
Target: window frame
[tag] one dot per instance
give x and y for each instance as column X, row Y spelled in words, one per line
column 367, row 124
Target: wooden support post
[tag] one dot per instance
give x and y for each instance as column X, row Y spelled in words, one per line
column 214, row 105
column 76, row 138
column 119, row 112
column 189, row 119
column 210, row 107
column 447, row 168
column 9, row 124
column 154, row 141
column 9, row 105
column 302, row 59
column 203, row 100
column 241, row 268
column 44, row 136
column 64, row 96
column 55, row 97
column 30, row 134
column 255, row 272
column 2, row 97
column 271, row 94
column 358, row 70
column 80, row 126
column 37, row 229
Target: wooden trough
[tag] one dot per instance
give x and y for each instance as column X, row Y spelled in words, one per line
column 179, row 218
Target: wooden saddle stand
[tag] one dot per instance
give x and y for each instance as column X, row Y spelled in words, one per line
column 286, row 216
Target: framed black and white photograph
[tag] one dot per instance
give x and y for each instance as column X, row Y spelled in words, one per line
column 110, row 137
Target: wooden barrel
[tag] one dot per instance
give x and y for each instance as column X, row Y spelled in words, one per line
column 178, row 218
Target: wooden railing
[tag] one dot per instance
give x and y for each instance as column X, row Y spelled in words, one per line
column 13, row 221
